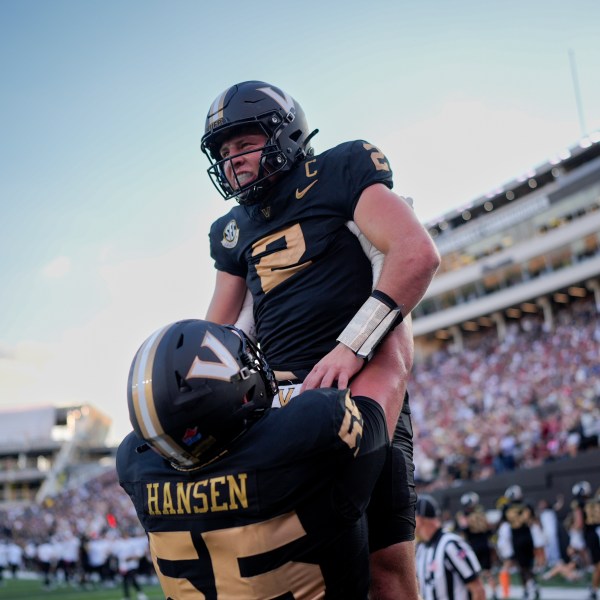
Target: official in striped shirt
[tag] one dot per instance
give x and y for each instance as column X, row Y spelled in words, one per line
column 447, row 567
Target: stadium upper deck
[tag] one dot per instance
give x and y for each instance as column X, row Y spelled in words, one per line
column 529, row 245
column 43, row 448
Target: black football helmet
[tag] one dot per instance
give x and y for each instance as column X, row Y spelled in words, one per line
column 469, row 500
column 582, row 489
column 193, row 387
column 260, row 105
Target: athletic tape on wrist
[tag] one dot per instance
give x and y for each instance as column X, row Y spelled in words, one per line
column 369, row 326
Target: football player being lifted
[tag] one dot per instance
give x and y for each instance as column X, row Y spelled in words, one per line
column 319, row 307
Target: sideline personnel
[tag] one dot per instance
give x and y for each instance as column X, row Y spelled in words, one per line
column 447, row 568
column 243, row 501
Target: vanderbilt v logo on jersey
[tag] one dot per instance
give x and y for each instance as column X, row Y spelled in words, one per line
column 286, row 393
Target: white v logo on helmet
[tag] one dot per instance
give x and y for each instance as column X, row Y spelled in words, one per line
column 286, row 102
column 225, row 369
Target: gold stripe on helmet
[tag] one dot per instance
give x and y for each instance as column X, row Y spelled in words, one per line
column 141, row 385
column 143, row 399
column 216, row 109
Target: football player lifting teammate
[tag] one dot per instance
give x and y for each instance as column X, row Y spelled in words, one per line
column 241, row 501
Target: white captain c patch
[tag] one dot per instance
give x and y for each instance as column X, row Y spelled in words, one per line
column 285, row 394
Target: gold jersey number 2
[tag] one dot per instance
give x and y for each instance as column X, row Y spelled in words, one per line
column 226, row 547
column 275, row 267
column 378, row 157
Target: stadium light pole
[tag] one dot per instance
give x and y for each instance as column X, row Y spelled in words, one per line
column 577, row 92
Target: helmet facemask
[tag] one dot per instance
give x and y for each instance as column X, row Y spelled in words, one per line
column 268, row 110
column 272, row 161
column 254, row 361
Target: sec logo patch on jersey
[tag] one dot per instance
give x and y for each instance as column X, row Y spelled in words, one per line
column 231, row 234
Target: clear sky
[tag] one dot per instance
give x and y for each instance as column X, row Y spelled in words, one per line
column 105, row 202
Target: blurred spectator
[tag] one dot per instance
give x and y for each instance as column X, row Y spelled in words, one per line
column 129, row 551
column 47, row 561
column 517, row 403
column 15, row 558
column 549, row 522
column 3, row 559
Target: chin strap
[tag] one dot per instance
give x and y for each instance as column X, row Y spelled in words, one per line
column 306, row 150
column 369, row 326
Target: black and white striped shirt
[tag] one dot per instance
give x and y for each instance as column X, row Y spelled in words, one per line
column 445, row 565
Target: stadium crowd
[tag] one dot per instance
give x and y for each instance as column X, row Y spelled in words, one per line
column 497, row 406
column 491, row 407
column 85, row 536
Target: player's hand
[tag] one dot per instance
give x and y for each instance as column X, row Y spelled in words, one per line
column 340, row 365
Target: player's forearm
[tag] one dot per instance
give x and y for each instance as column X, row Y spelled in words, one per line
column 385, row 378
column 227, row 299
column 406, row 275
column 394, row 573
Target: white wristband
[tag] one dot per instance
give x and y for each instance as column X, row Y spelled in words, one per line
column 369, row 326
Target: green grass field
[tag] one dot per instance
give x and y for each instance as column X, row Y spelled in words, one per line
column 31, row 589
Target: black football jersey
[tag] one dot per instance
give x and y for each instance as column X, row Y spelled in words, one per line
column 307, row 272
column 520, row 516
column 278, row 516
column 477, row 530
